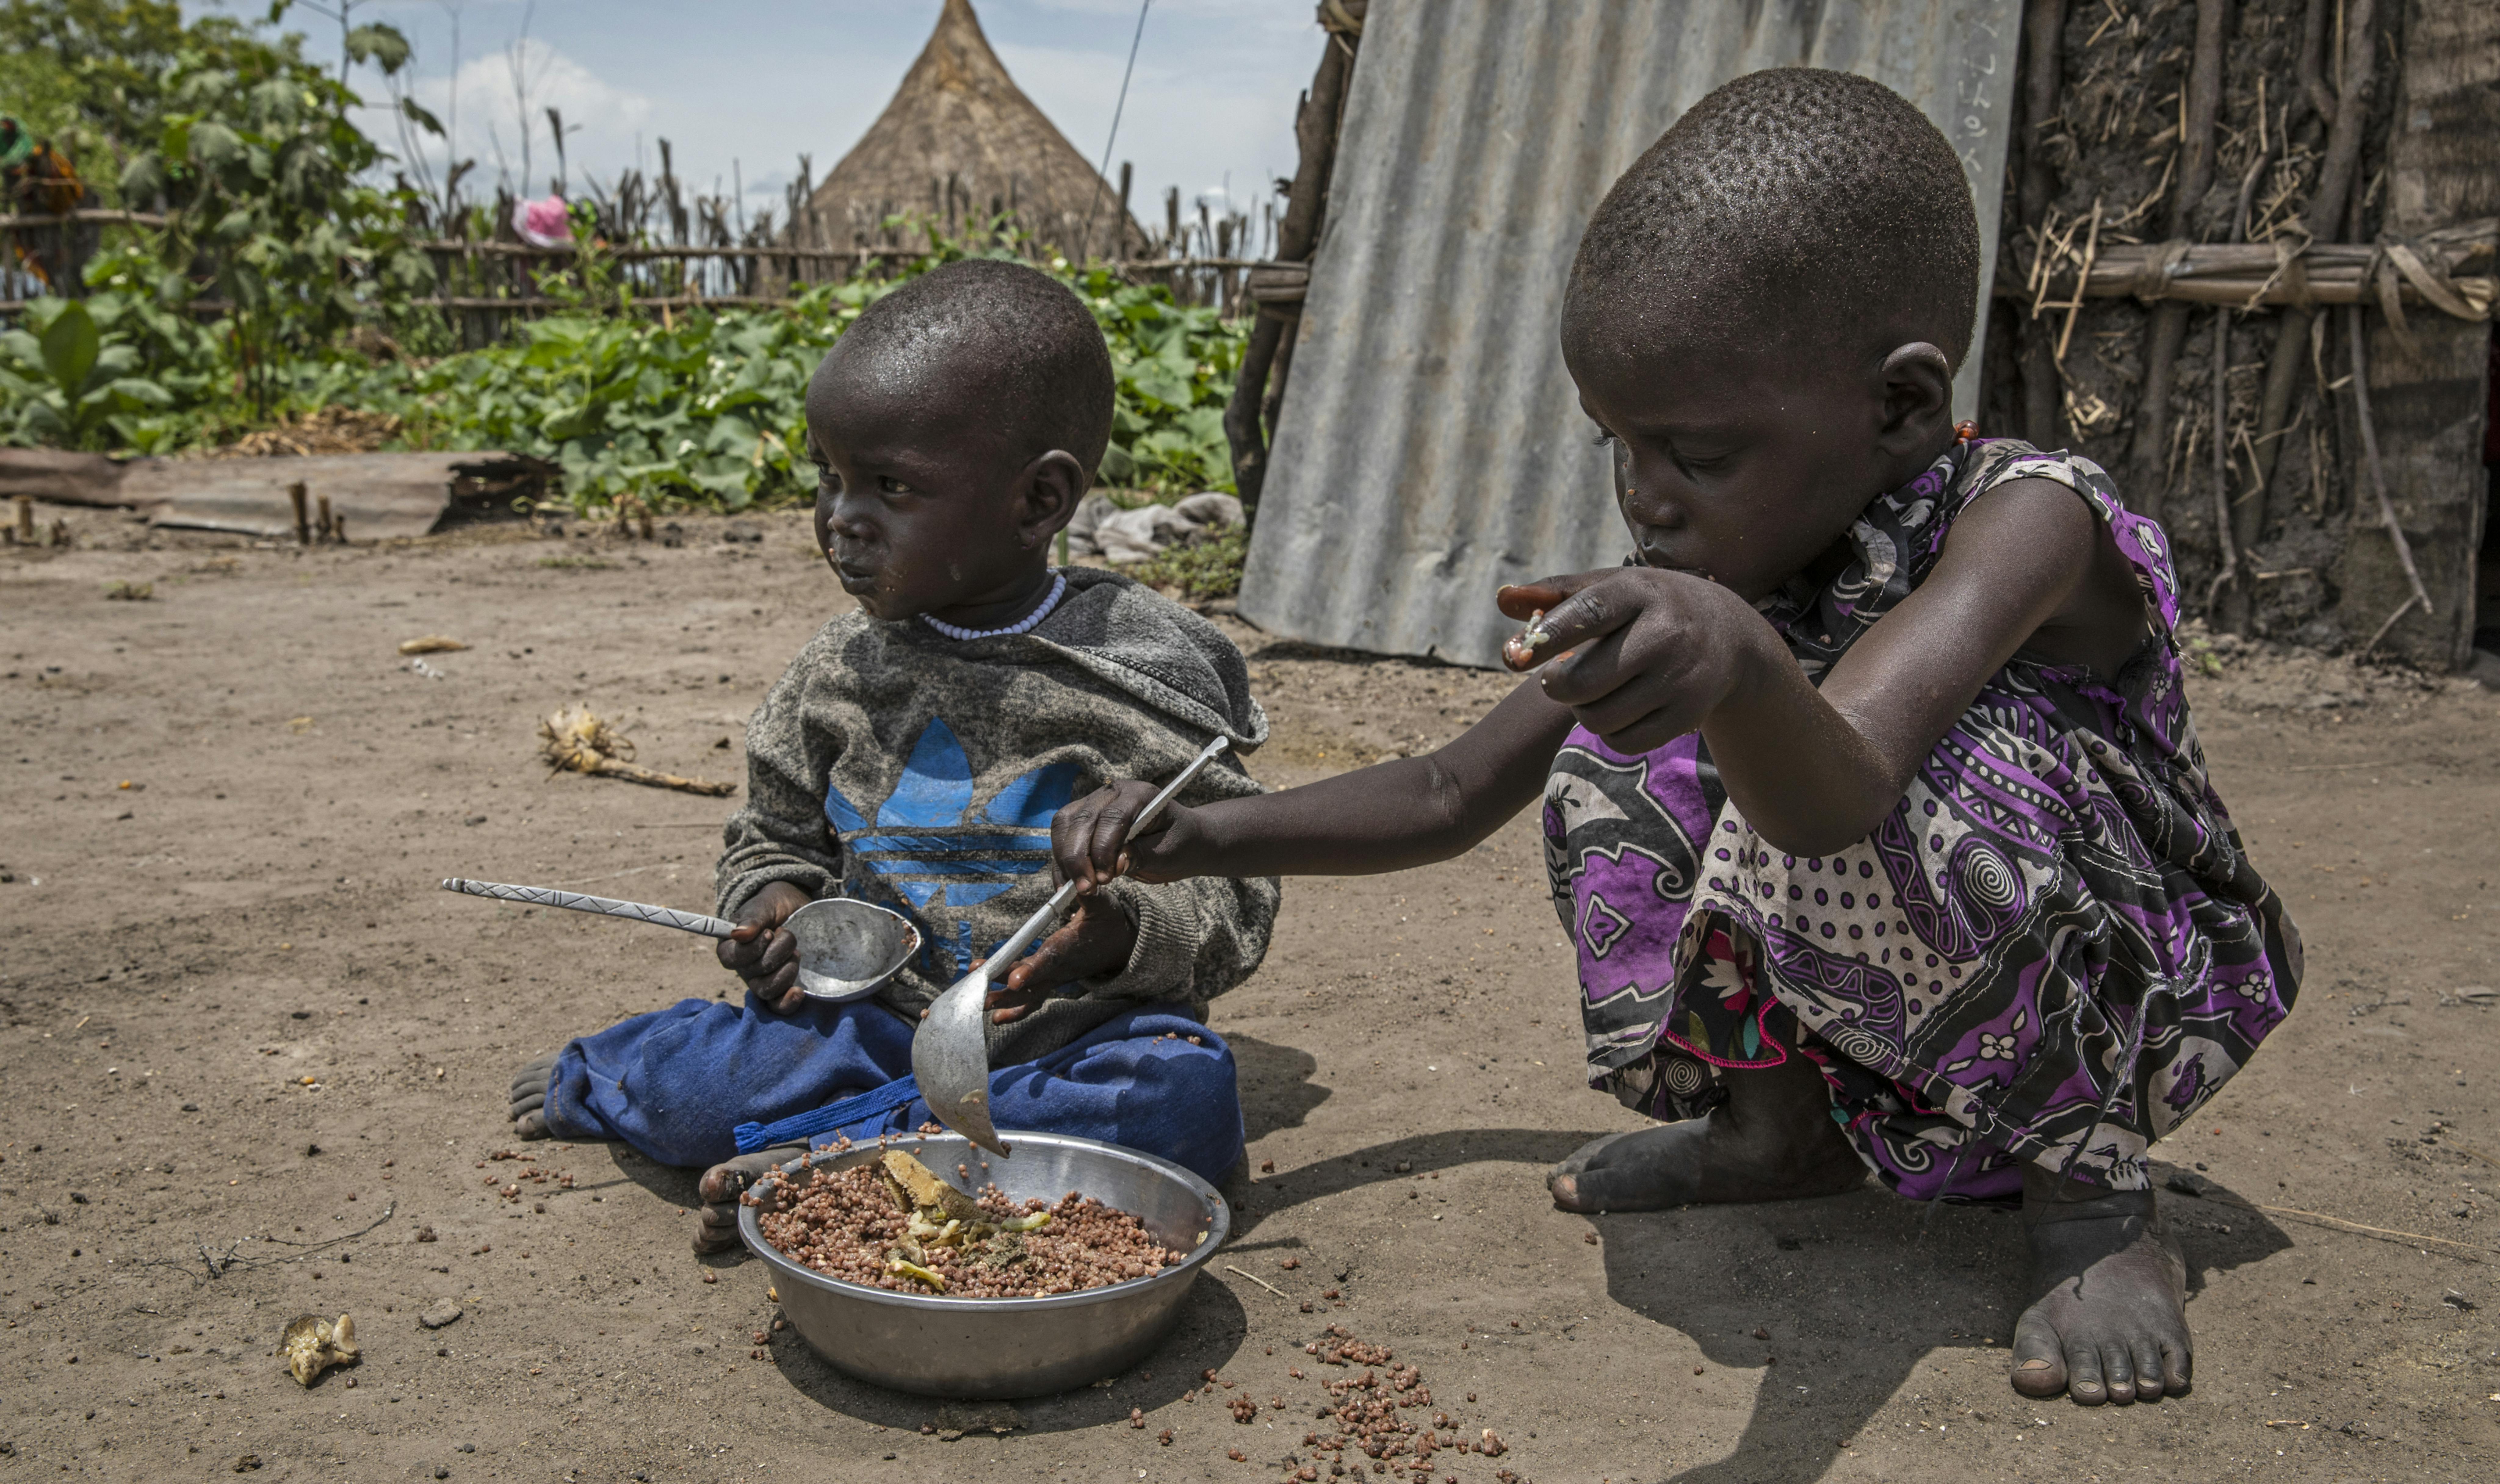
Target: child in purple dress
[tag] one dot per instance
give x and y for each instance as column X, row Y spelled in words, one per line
column 1871, row 798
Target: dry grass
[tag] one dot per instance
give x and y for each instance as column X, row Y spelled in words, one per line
column 329, row 430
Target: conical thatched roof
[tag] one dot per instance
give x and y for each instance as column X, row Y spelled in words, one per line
column 961, row 141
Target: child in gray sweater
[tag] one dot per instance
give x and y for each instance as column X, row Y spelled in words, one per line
column 914, row 756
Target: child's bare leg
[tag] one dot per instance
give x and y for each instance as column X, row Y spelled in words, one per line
column 2111, row 1323
column 723, row 1183
column 1772, row 1140
column 529, row 1096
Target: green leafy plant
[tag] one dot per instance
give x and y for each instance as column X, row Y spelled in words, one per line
column 68, row 384
column 275, row 214
column 266, row 165
column 1201, row 569
column 38, row 92
column 1175, row 364
column 90, row 74
column 709, row 409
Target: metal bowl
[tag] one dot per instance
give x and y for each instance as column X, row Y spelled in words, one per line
column 848, row 949
column 986, row 1348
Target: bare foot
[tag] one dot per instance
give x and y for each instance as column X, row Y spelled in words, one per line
column 1773, row 1139
column 721, row 1186
column 529, row 1096
column 2111, row 1324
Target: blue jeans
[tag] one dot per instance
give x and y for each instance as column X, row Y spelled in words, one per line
column 694, row 1083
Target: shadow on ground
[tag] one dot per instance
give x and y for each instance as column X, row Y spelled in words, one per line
column 1854, row 1292
column 1835, row 1300
column 1421, row 1154
column 670, row 1183
column 1276, row 1087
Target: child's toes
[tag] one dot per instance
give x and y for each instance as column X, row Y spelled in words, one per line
column 2145, row 1354
column 1606, row 1189
column 2178, row 1368
column 2084, row 1381
column 717, row 1229
column 1646, row 1169
column 530, row 1082
column 1581, row 1158
column 720, row 1187
column 2118, row 1373
column 2039, row 1362
column 724, row 1183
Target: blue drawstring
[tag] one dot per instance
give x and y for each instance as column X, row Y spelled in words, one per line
column 894, row 1094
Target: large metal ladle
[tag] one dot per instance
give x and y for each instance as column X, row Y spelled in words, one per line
column 950, row 1052
column 847, row 949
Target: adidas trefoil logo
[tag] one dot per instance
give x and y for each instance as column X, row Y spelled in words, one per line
column 938, row 851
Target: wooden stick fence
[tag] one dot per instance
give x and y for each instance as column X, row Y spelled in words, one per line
column 1133, row 270
column 2456, row 270
column 1216, row 278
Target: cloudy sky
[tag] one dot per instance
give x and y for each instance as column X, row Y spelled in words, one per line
column 752, row 84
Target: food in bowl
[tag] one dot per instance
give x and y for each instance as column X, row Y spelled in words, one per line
column 894, row 1223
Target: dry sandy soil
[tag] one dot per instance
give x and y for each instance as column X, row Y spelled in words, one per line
column 241, row 1031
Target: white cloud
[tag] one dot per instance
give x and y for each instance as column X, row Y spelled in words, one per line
column 601, row 121
column 1184, row 125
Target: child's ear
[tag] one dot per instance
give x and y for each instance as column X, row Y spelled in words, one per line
column 1918, row 400
column 1053, row 484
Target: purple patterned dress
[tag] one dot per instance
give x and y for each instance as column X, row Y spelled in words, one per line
column 2053, row 949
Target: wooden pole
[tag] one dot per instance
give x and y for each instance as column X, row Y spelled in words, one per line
column 1275, row 401
column 25, row 519
column 1120, row 238
column 2313, row 52
column 2326, row 209
column 2169, row 327
column 2379, row 480
column 1315, row 130
column 2429, row 387
column 2226, row 576
column 324, row 526
column 303, row 519
column 2044, row 24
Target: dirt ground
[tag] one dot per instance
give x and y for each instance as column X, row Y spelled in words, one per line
column 253, row 1060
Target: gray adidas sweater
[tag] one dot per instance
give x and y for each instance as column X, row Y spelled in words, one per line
column 895, row 765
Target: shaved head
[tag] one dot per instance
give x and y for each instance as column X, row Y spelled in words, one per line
column 1792, row 207
column 1005, row 346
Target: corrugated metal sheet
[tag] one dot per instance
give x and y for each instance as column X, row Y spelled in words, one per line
column 1431, row 445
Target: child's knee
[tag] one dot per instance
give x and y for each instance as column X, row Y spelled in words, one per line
column 1192, row 1107
column 1207, row 1065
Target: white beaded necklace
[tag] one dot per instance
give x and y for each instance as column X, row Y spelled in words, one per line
column 1024, row 625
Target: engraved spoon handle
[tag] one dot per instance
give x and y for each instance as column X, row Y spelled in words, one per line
column 605, row 906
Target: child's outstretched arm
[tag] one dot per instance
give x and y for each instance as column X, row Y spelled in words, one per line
column 1646, row 656
column 1388, row 816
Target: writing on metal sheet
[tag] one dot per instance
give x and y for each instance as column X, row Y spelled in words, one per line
column 1972, row 92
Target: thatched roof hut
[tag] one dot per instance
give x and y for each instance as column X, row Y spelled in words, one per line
column 962, row 143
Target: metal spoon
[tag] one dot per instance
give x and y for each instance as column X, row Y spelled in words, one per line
column 950, row 1052
column 847, row 949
